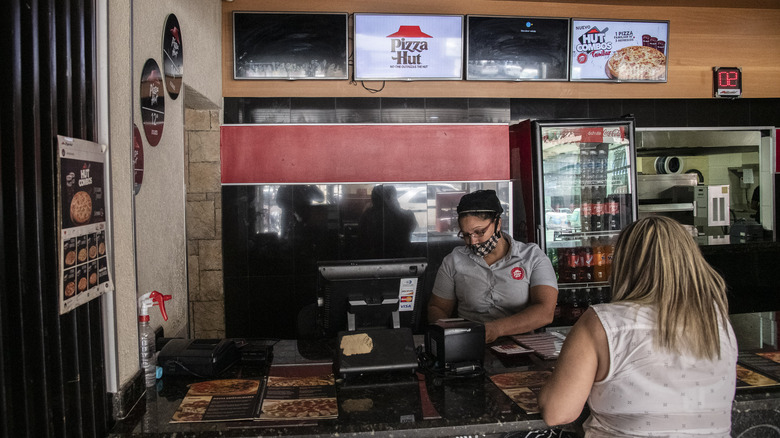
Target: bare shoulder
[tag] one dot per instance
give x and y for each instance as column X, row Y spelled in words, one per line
column 589, row 329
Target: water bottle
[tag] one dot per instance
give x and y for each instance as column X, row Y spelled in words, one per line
column 147, row 336
column 148, row 351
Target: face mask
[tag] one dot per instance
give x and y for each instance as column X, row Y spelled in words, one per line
column 486, row 247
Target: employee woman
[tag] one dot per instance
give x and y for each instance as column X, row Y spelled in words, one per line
column 507, row 285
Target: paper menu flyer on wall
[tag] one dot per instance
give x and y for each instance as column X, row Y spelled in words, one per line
column 84, row 246
column 299, row 392
column 634, row 51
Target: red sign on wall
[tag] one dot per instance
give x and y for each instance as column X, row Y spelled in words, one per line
column 265, row 154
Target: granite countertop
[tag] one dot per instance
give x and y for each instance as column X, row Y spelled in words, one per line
column 383, row 405
column 389, row 405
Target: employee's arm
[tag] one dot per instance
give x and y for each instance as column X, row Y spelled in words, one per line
column 584, row 359
column 538, row 313
column 439, row 308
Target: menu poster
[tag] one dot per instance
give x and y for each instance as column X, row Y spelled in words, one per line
column 81, row 222
column 522, row 387
column 219, row 400
column 619, row 51
column 300, row 392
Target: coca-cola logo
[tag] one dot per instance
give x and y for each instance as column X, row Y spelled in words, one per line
column 518, row 273
column 613, row 132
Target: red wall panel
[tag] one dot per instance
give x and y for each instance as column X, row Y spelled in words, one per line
column 284, row 154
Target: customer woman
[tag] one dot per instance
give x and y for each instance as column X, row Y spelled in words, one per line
column 660, row 359
column 508, row 285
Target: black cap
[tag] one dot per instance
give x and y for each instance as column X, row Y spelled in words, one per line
column 481, row 201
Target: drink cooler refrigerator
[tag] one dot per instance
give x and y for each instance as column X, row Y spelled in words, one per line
column 580, row 191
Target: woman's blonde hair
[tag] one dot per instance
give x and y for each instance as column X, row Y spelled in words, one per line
column 657, row 262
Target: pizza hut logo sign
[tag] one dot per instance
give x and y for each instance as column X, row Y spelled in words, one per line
column 407, row 46
column 518, row 273
column 594, row 43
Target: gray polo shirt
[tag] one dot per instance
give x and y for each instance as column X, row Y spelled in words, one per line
column 485, row 293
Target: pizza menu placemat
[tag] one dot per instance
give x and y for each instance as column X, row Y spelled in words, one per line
column 289, row 393
column 220, row 400
column 300, row 391
column 546, row 345
column 522, row 387
column 758, row 369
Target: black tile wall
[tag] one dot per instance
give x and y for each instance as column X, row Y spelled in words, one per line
column 270, row 248
column 647, row 112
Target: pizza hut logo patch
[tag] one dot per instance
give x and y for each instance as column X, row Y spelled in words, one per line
column 518, row 273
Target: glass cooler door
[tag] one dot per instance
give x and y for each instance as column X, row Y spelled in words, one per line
column 585, row 196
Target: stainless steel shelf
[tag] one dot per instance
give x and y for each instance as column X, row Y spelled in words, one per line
column 658, row 208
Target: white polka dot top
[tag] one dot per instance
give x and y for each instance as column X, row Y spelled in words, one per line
column 652, row 393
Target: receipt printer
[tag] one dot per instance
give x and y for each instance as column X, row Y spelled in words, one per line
column 455, row 343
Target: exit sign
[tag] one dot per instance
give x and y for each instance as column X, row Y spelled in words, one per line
column 727, row 82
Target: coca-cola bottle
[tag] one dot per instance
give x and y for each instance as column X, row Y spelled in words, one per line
column 569, row 272
column 597, row 214
column 586, row 166
column 585, row 209
column 575, row 307
column 600, row 263
column 612, row 213
column 602, row 152
column 557, row 320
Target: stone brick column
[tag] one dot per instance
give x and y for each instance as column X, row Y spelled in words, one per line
column 204, row 223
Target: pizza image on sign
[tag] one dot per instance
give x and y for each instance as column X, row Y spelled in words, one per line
column 633, row 51
column 637, row 63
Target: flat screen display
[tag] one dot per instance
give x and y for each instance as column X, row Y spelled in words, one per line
column 289, row 45
column 517, row 48
column 619, row 51
column 366, row 293
column 408, row 47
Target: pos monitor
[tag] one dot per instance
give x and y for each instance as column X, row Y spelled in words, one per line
column 376, row 293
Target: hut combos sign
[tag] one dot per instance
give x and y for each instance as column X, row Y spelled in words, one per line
column 408, row 47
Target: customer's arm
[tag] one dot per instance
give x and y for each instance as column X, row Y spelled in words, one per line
column 539, row 312
column 584, row 359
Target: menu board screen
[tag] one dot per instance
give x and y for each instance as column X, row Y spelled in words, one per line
column 517, row 48
column 408, row 47
column 619, row 51
column 289, row 45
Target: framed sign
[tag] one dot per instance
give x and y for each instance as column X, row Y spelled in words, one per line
column 81, row 224
column 269, row 45
column 619, row 51
column 408, row 47
column 152, row 102
column 173, row 56
column 517, row 48
column 138, row 160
